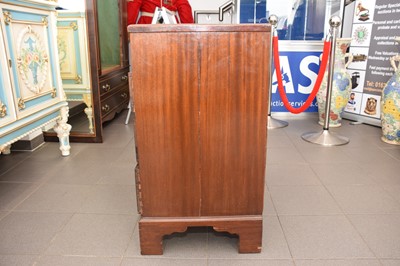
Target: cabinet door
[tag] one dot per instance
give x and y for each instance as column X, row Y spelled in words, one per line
column 233, row 121
column 31, row 46
column 7, row 111
column 165, row 86
column 108, row 18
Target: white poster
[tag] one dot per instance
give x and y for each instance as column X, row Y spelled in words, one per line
column 375, row 24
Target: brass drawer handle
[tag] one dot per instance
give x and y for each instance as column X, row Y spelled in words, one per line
column 105, row 108
column 124, row 78
column 106, row 87
column 124, row 95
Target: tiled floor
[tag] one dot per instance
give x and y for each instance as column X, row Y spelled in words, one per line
column 323, row 206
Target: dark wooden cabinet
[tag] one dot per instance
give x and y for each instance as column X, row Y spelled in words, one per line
column 200, row 96
column 109, row 64
column 106, row 88
column 114, row 93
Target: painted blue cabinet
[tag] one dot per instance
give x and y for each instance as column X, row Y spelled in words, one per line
column 74, row 60
column 31, row 92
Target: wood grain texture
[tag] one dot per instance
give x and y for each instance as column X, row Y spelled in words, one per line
column 200, row 96
column 233, row 122
column 247, row 228
column 165, row 89
column 191, row 28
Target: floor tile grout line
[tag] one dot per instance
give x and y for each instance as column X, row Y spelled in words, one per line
column 390, row 194
column 57, row 233
column 338, row 205
column 322, row 184
column 359, row 233
column 276, row 215
column 16, row 165
column 27, row 197
column 346, row 216
column 286, row 239
column 280, row 223
column 389, row 154
column 136, row 227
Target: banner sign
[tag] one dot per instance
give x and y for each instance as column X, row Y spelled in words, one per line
column 375, row 25
column 299, row 73
column 252, row 11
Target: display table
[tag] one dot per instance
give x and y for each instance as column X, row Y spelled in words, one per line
column 200, row 95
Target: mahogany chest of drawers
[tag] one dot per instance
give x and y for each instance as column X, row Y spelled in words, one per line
column 200, row 95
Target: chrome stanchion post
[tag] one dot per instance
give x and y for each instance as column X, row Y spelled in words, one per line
column 325, row 137
column 272, row 122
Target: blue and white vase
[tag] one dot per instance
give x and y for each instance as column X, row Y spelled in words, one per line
column 390, row 105
column 341, row 85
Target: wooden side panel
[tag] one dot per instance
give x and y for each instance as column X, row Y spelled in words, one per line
column 165, row 90
column 233, row 122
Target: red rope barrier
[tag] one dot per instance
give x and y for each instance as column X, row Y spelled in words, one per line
column 321, row 72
